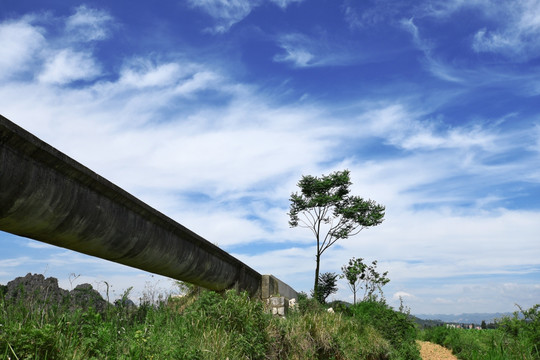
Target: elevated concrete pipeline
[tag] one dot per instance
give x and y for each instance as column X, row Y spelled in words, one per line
column 49, row 197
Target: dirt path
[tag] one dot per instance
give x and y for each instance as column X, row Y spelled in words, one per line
column 430, row 351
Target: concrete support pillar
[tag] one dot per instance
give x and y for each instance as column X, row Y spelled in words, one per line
column 278, row 305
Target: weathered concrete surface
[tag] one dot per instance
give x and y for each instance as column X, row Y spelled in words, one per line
column 47, row 196
column 272, row 286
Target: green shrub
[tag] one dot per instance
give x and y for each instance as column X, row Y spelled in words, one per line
column 523, row 331
column 323, row 335
column 242, row 319
column 308, row 305
column 396, row 327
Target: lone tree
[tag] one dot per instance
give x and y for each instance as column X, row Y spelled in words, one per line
column 325, row 206
column 353, row 272
column 363, row 276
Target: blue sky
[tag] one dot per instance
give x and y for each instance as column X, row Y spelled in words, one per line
column 211, row 111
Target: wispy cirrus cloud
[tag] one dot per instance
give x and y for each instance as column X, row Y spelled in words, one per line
column 517, row 31
column 284, row 3
column 514, row 28
column 437, row 67
column 226, row 13
column 361, row 15
column 446, row 8
column 88, row 24
column 301, row 50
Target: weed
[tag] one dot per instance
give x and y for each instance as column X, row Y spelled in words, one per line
column 516, row 337
column 207, row 325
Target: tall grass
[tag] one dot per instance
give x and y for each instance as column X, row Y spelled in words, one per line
column 516, row 337
column 208, row 326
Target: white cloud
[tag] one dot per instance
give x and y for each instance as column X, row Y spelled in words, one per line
column 21, row 42
column 202, row 80
column 26, row 49
column 437, row 67
column 67, row 66
column 88, row 24
column 226, row 12
column 230, row 12
column 14, row 262
column 298, row 56
column 496, row 243
column 408, row 130
column 142, row 73
column 371, row 12
column 516, row 25
column 401, row 294
column 536, row 132
column 491, row 42
column 304, row 51
column 446, row 8
column 39, row 245
column 284, row 3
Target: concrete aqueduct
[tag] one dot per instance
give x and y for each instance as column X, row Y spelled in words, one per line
column 49, row 197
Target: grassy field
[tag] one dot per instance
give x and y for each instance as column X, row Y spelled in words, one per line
column 517, row 337
column 207, row 326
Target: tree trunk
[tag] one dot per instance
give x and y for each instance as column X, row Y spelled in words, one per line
column 316, row 286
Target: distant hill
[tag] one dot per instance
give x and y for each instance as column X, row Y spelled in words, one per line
column 474, row 318
column 426, row 323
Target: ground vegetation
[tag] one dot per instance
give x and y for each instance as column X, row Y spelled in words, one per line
column 201, row 325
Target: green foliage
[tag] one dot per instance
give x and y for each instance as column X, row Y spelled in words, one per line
column 323, row 335
column 524, row 328
column 363, row 276
column 395, row 327
column 327, row 286
column 516, row 337
column 353, row 273
column 212, row 326
column 325, row 206
column 328, row 196
column 243, row 320
column 308, row 305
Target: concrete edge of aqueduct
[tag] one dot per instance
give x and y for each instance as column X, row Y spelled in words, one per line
column 47, row 196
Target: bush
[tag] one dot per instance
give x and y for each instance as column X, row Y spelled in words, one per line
column 396, row 327
column 242, row 319
column 308, row 305
column 323, row 335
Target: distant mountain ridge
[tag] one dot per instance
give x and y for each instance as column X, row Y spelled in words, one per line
column 473, row 318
